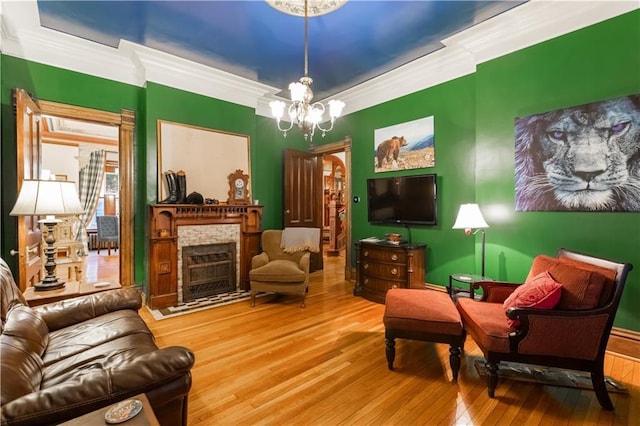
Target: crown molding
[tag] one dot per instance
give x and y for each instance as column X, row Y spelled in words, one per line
column 23, row 37
column 167, row 69
column 526, row 25
column 535, row 22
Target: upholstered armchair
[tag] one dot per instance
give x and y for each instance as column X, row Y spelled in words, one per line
column 108, row 231
column 561, row 317
column 275, row 270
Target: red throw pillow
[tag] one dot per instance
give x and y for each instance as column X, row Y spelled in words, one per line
column 541, row 292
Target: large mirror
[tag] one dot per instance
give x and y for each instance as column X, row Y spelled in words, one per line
column 206, row 156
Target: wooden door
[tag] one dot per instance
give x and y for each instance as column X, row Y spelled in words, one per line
column 303, row 195
column 28, row 137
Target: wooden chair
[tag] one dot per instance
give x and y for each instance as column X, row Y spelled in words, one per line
column 573, row 338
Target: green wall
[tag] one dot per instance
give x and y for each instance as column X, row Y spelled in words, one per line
column 452, row 105
column 596, row 63
column 64, row 86
column 474, row 118
column 474, row 142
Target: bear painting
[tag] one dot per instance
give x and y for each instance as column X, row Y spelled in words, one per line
column 404, row 146
column 390, row 149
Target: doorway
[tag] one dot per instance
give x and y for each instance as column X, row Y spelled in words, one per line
column 124, row 122
column 336, row 190
column 67, row 147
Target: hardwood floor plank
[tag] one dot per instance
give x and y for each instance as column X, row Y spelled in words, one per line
column 279, row 364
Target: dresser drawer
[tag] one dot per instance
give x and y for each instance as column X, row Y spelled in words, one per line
column 384, row 254
column 392, row 271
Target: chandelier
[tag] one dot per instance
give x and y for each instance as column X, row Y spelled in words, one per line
column 302, row 112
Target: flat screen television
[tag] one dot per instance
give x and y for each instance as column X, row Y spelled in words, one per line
column 403, row 200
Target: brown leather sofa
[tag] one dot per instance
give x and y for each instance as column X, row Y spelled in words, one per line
column 68, row 358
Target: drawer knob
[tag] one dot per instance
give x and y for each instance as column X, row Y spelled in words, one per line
column 394, row 286
column 365, row 266
column 366, row 280
column 394, row 271
column 394, row 256
column 365, row 254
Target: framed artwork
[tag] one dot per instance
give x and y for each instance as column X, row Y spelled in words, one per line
column 111, row 184
column 207, row 157
column 405, row 146
column 581, row 158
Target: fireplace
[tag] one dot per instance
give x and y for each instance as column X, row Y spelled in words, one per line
column 208, row 269
column 174, row 227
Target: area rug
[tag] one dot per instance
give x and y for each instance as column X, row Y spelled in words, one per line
column 203, row 303
column 548, row 376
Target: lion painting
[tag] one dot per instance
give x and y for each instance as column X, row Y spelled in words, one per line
column 585, row 158
column 390, row 149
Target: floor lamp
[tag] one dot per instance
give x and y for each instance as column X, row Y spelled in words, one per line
column 49, row 198
column 470, row 217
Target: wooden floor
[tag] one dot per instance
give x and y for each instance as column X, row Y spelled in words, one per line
column 279, row 364
column 101, row 267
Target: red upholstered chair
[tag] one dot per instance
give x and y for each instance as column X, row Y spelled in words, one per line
column 571, row 335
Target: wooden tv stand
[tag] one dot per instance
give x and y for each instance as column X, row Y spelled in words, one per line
column 382, row 265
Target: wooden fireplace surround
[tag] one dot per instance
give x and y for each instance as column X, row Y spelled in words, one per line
column 163, row 242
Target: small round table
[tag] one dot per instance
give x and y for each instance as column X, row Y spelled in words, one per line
column 468, row 279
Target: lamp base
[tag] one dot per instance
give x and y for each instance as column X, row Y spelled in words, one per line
column 49, row 284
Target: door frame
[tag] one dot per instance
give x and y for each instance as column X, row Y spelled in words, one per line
column 125, row 120
column 330, row 148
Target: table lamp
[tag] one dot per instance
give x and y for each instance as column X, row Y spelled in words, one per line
column 48, row 198
column 470, row 217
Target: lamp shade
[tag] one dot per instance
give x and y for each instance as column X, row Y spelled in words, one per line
column 47, row 197
column 470, row 217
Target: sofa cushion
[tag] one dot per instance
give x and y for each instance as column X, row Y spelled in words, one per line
column 283, row 271
column 581, row 287
column 22, row 342
column 485, row 322
column 541, row 292
column 77, row 340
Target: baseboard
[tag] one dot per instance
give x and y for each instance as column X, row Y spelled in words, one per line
column 624, row 342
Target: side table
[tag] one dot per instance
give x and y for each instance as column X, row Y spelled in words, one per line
column 145, row 418
column 70, row 289
column 468, row 279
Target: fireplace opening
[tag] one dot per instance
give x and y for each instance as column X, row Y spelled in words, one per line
column 208, row 269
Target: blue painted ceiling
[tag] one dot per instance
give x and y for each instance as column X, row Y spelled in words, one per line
column 359, row 41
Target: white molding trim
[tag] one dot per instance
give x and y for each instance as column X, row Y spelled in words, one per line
column 526, row 25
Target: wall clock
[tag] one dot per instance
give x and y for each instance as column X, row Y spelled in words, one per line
column 238, row 188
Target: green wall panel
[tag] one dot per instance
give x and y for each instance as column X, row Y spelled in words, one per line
column 452, row 105
column 64, row 86
column 596, row 63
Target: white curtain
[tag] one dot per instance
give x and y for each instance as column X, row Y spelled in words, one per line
column 89, row 186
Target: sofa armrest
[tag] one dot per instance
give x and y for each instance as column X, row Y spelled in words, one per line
column 561, row 333
column 495, row 291
column 64, row 313
column 259, row 260
column 92, row 390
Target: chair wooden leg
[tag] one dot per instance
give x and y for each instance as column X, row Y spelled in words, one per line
column 304, row 295
column 492, row 377
column 454, row 360
column 390, row 351
column 600, row 387
column 253, row 299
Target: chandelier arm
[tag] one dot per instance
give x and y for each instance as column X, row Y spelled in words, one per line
column 330, row 126
column 284, row 130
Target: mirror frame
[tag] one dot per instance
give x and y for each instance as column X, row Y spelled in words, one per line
column 125, row 120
